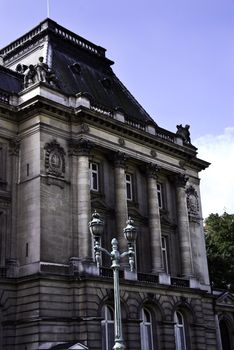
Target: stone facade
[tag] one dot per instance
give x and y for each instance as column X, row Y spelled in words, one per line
column 65, row 153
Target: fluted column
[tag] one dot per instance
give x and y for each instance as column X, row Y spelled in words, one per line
column 154, row 218
column 183, row 226
column 82, row 150
column 121, row 207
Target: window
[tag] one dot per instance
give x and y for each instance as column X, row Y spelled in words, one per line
column 225, row 335
column 146, row 330
column 179, row 331
column 129, row 187
column 165, row 254
column 160, row 198
column 94, row 176
column 108, row 328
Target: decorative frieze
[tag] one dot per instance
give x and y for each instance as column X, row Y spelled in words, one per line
column 121, row 141
column 153, row 153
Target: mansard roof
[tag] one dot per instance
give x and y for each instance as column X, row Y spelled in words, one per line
column 79, row 66
column 10, row 81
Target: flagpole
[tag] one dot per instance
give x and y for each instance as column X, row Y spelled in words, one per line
column 48, row 8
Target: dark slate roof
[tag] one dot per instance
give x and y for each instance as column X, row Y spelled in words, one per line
column 79, row 65
column 10, row 81
column 78, row 71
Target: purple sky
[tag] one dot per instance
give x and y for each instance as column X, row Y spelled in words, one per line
column 175, row 56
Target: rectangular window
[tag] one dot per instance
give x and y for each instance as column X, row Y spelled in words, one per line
column 94, row 176
column 129, row 187
column 160, row 197
column 165, row 254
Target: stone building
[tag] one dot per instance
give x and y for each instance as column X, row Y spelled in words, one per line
column 73, row 140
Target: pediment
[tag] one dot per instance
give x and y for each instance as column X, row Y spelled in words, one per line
column 226, row 299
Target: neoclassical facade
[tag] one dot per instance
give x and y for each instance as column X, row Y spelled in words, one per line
column 74, row 140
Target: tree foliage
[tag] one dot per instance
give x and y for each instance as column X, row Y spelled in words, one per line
column 219, row 233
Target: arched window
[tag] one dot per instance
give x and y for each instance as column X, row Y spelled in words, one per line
column 108, row 328
column 146, row 330
column 225, row 335
column 180, row 338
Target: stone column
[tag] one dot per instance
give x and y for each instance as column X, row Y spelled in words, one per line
column 121, row 207
column 154, row 218
column 183, row 226
column 82, row 150
column 74, row 200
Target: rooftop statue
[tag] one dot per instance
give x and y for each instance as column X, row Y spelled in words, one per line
column 29, row 76
column 37, row 73
column 184, row 132
column 42, row 70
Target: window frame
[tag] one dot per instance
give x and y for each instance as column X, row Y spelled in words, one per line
column 129, row 184
column 107, row 326
column 160, row 195
column 180, row 331
column 96, row 172
column 145, row 326
column 165, row 253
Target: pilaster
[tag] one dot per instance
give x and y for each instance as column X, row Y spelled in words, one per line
column 14, row 150
column 81, row 150
column 154, row 218
column 121, row 207
column 183, row 225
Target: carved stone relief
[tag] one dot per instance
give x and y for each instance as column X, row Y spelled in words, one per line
column 192, row 201
column 55, row 159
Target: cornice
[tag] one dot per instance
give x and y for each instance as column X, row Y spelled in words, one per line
column 82, row 114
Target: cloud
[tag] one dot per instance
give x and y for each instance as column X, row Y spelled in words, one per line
column 217, row 182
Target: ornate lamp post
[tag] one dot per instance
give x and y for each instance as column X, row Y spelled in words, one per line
column 130, row 233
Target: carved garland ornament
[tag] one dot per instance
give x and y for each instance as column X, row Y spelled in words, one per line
column 54, row 159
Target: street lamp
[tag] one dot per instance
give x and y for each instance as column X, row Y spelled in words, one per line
column 96, row 228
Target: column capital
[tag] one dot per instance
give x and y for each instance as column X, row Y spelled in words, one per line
column 120, row 159
column 152, row 170
column 81, row 147
column 14, row 147
column 181, row 180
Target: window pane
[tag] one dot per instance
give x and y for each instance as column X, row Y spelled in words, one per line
column 179, row 331
column 146, row 330
column 159, row 192
column 94, row 176
column 165, row 254
column 108, row 328
column 129, row 186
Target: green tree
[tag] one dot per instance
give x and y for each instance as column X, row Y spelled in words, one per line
column 219, row 233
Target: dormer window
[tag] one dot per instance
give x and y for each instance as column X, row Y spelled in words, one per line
column 75, row 67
